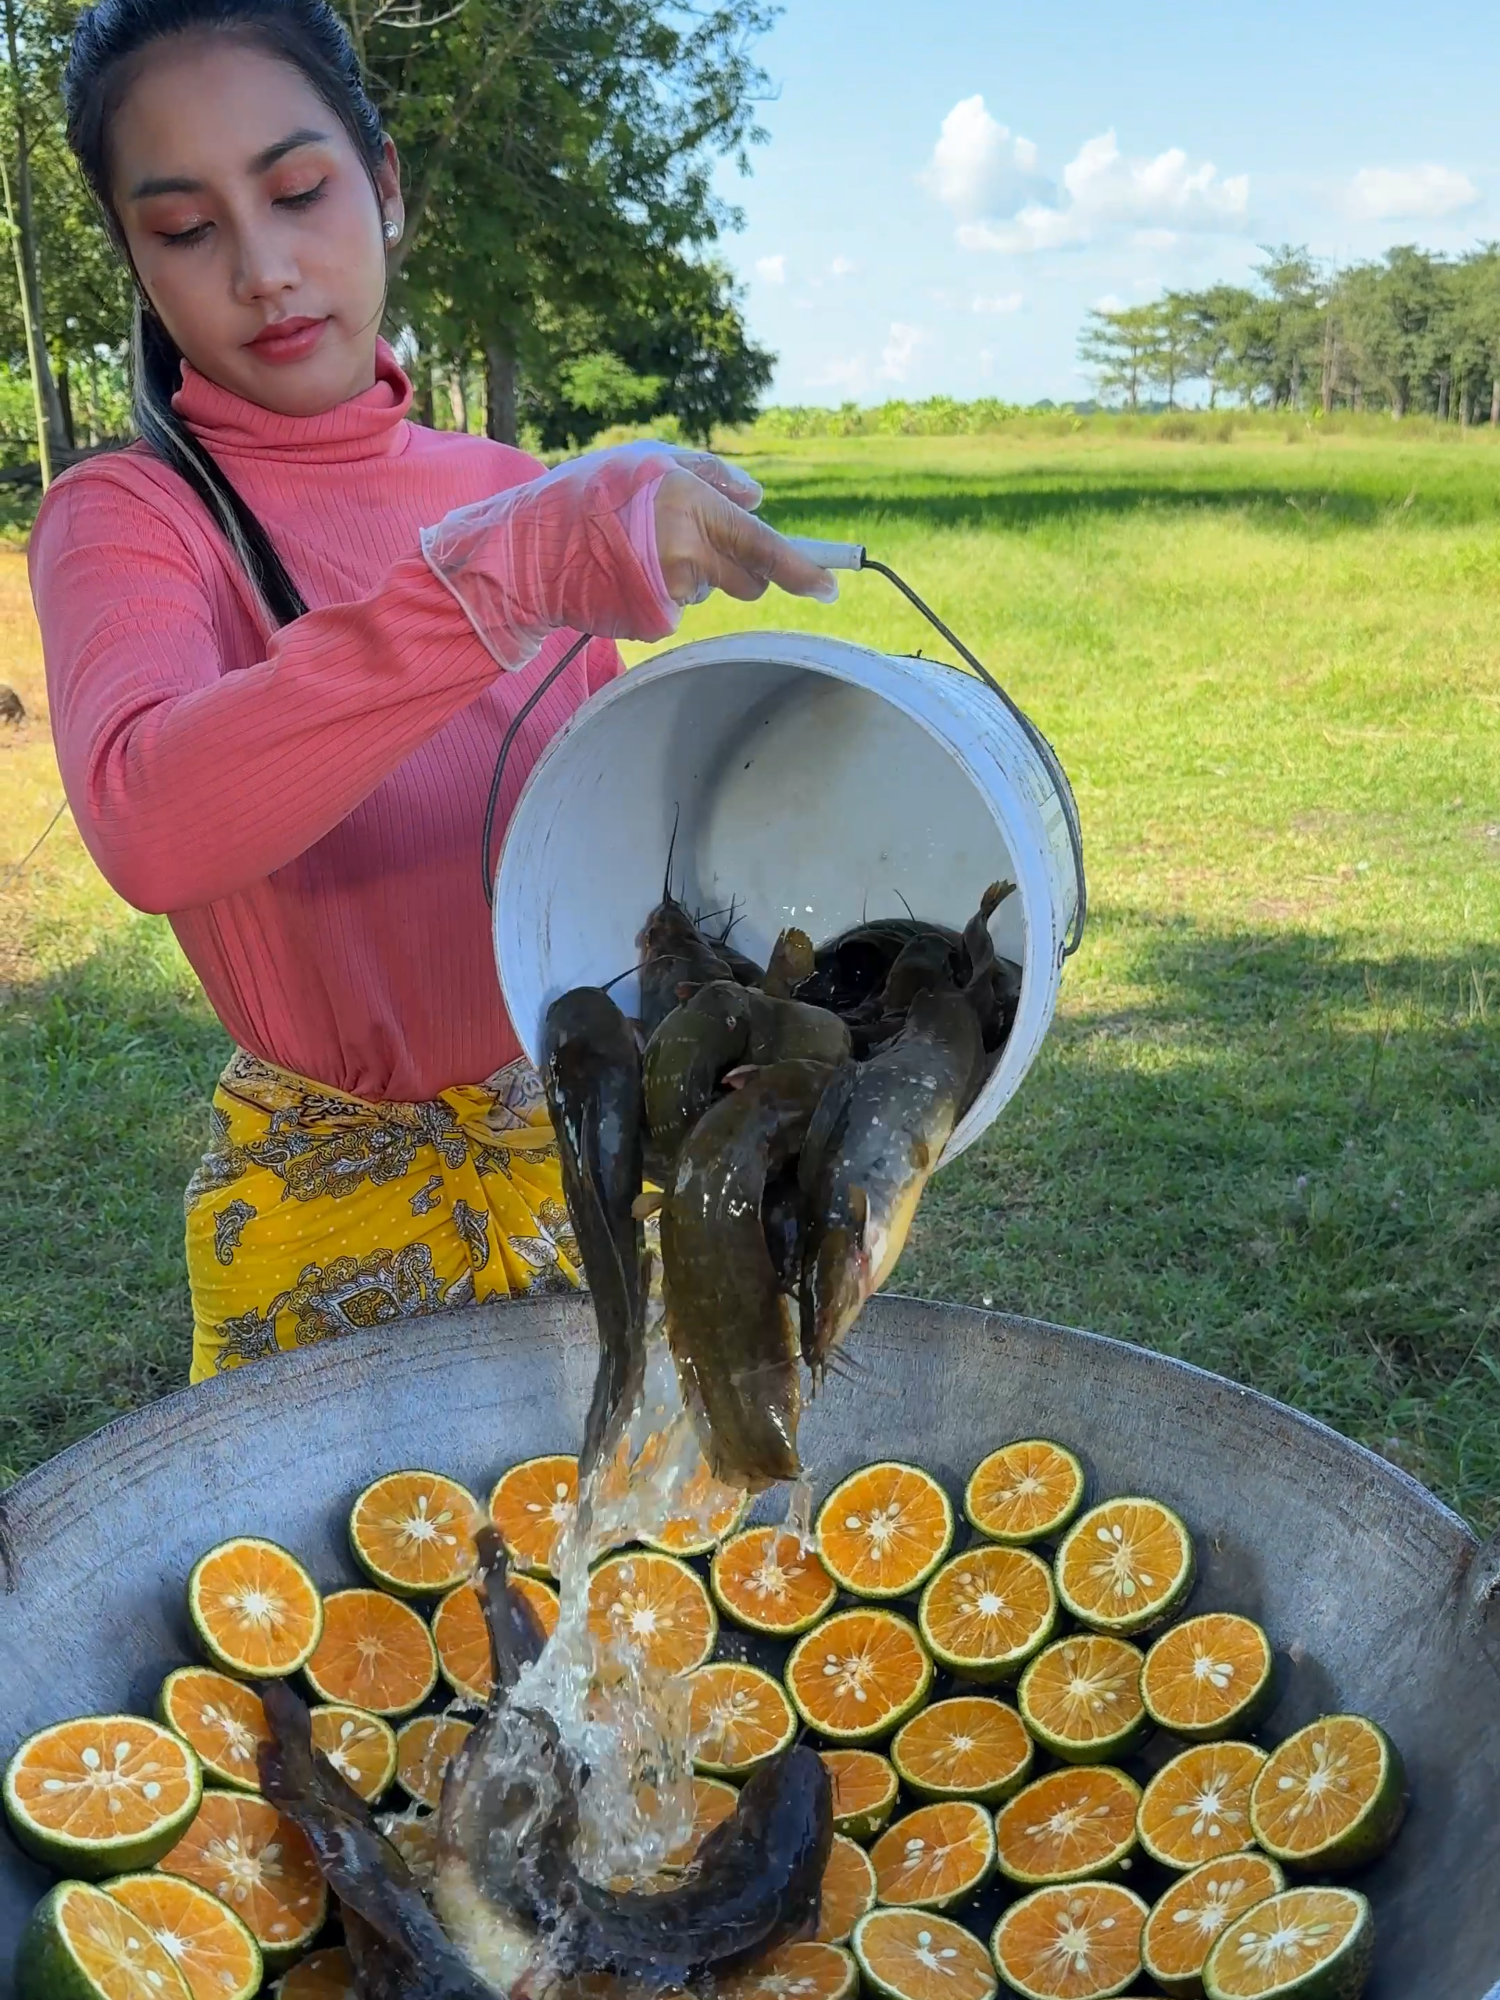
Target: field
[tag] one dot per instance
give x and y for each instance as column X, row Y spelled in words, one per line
column 1265, row 1133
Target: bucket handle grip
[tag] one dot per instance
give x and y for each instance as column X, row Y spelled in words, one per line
column 851, row 555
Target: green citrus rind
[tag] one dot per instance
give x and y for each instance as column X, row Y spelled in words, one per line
column 332, row 1697
column 870, row 1594
column 242, row 1669
column 221, row 1911
column 971, row 1886
column 1369, row 1836
column 994, row 1793
column 1098, row 1749
column 1341, row 1977
column 1242, row 1719
column 1103, row 1868
column 627, row 1556
column 1164, row 1599
column 943, row 1933
column 213, row 1771
column 382, row 1729
column 889, row 1719
column 708, row 1767
column 92, row 1859
column 397, row 1586
column 48, row 1969
column 1045, row 1531
column 704, row 1544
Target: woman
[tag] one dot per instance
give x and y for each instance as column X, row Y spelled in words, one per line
column 284, row 636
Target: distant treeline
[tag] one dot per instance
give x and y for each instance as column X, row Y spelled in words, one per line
column 1411, row 333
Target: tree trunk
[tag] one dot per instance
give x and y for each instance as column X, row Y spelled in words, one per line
column 1495, row 401
column 1330, row 366
column 65, row 400
column 93, row 398
column 50, row 430
column 1398, row 401
column 500, row 392
column 1442, row 403
column 1466, row 405
column 456, row 397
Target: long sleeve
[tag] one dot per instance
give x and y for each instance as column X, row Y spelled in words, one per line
column 190, row 782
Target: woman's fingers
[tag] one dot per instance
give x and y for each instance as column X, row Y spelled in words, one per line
column 705, row 542
column 723, row 477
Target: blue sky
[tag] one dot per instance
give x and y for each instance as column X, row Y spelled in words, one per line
column 949, row 187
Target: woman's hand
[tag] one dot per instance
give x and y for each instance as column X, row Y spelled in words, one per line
column 707, row 538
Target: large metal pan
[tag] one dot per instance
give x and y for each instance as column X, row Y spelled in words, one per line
column 1378, row 1598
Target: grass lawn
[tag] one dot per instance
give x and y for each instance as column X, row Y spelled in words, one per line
column 1265, row 1133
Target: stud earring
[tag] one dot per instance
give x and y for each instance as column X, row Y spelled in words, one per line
column 390, row 229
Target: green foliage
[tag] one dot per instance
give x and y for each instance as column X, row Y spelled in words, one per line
column 937, row 416
column 1411, row 332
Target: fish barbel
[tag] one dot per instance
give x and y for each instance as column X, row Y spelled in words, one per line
column 591, row 1071
column 878, row 1133
column 728, row 1322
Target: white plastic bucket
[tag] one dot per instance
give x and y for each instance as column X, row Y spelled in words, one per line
column 813, row 782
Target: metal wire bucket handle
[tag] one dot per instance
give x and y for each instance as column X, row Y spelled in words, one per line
column 853, row 555
column 834, row 555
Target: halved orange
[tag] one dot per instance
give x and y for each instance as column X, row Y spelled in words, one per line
column 864, row 1790
column 220, row 1719
column 1197, row 1808
column 1181, row 1929
column 936, row 1856
column 376, row 1653
column 322, row 1975
column 985, row 1613
column 655, row 1607
column 241, row 1850
column 203, row 1937
column 1078, row 1942
column 1314, row 1943
column 1208, row 1677
column 805, row 1971
column 1330, row 1797
column 848, row 1890
column 462, row 1637
column 360, row 1747
column 915, row 1955
column 255, row 1609
column 714, row 1801
column 710, row 1509
column 414, row 1835
column 413, row 1533
column 1081, row 1698
column 1025, row 1492
column 883, row 1531
column 425, row 1747
column 738, row 1716
column 531, row 1505
column 765, row 1579
column 1125, row 1565
column 102, row 1794
column 82, row 1945
column 1067, row 1826
column 968, row 1747
column 858, row 1674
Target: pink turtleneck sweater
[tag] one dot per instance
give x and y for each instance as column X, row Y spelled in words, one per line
column 306, row 805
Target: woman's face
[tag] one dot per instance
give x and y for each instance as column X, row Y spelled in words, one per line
column 252, row 222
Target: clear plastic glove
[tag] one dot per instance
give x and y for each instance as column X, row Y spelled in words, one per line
column 557, row 551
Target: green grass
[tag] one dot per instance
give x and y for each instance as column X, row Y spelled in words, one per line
column 1265, row 1133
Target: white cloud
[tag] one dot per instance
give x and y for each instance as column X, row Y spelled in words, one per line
column 849, row 375
column 771, row 270
column 978, row 166
column 842, row 267
column 1007, row 302
column 1396, row 193
column 1104, row 193
column 896, row 355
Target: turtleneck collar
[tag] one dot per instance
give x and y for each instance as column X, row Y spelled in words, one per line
column 370, row 425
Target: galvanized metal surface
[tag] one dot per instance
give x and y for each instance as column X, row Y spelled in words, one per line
column 1377, row 1597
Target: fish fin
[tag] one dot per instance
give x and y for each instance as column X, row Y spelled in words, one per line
column 647, row 1203
column 921, row 1154
column 859, row 1208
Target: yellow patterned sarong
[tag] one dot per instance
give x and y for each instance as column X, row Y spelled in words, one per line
column 315, row 1213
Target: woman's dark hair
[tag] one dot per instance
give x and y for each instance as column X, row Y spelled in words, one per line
column 309, row 36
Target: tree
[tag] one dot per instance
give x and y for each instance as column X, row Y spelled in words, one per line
column 21, row 222
column 1120, row 346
